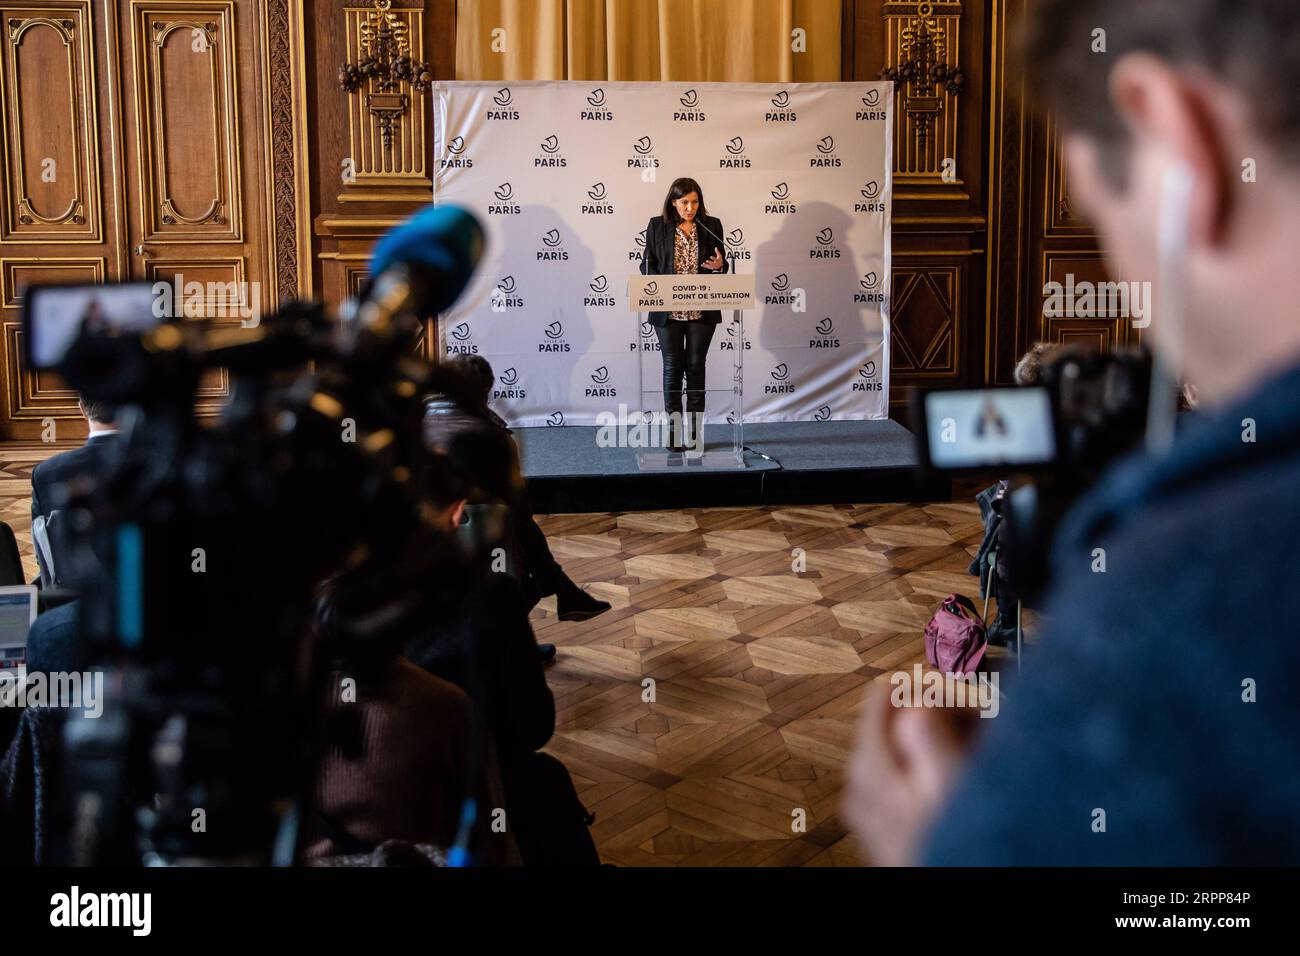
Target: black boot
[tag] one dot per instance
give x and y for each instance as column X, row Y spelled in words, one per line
column 572, row 603
column 694, row 434
column 676, row 438
column 1002, row 631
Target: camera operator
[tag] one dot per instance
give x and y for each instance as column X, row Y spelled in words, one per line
column 1155, row 724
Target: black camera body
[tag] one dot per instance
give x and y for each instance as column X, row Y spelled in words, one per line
column 198, row 549
column 1053, row 440
column 1100, row 406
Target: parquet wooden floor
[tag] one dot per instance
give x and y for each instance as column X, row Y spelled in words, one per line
column 16, row 464
column 708, row 716
column 711, row 711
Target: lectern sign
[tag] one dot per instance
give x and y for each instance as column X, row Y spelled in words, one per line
column 690, row 293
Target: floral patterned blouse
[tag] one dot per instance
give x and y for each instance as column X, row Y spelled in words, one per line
column 686, row 261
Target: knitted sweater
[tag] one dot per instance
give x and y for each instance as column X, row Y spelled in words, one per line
column 400, row 761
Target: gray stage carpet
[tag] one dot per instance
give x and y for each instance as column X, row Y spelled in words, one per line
column 571, row 451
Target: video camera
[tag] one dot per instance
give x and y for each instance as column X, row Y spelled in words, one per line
column 1053, row 440
column 201, row 550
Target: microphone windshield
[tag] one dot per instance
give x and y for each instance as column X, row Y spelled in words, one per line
column 441, row 245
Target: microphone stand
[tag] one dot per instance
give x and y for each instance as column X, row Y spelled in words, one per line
column 740, row 344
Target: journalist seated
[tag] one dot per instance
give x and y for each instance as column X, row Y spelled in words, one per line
column 463, row 427
column 405, row 752
column 482, row 643
column 51, row 481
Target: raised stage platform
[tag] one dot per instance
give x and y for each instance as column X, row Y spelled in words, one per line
column 810, row 463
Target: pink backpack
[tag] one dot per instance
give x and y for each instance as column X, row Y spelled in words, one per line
column 955, row 639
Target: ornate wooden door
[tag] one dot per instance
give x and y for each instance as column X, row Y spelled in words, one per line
column 138, row 138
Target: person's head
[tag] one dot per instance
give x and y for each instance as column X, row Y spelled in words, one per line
column 100, row 414
column 1179, row 118
column 1029, row 370
column 684, row 202
column 477, row 374
column 447, row 496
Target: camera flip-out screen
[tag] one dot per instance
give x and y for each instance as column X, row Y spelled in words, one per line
column 53, row 315
column 988, row 428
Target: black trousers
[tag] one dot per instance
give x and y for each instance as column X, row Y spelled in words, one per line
column 545, row 812
column 544, row 574
column 685, row 349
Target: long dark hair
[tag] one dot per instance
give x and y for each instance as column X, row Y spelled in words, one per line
column 679, row 188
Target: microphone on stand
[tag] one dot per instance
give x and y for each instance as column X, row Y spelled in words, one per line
column 723, row 250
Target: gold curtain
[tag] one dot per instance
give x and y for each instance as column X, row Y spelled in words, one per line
column 737, row 41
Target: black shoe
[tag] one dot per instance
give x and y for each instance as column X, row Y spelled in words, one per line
column 1002, row 633
column 694, row 440
column 547, row 653
column 572, row 603
column 676, row 438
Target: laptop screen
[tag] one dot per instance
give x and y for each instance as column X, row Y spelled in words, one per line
column 15, row 621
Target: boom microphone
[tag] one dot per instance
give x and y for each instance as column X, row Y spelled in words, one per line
column 440, row 247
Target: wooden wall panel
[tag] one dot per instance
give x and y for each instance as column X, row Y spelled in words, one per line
column 939, row 214
column 145, row 139
column 59, row 215
column 350, row 213
column 1037, row 236
column 928, row 345
column 51, row 150
column 31, row 398
column 981, row 211
column 400, row 161
column 187, row 122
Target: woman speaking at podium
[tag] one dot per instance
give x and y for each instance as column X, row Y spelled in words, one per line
column 684, row 240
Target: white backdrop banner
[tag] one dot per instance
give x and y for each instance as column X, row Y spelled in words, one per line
column 565, row 177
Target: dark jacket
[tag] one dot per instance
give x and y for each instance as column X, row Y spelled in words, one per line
column 990, row 501
column 486, row 647
column 478, row 447
column 1161, row 691
column 480, row 450
column 660, row 240
column 50, row 475
column 29, row 768
column 50, row 481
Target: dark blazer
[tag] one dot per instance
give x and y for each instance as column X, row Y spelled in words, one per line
column 486, row 647
column 49, row 475
column 660, row 239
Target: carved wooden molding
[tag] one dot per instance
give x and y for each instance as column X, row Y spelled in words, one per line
column 923, row 50
column 79, row 128
column 387, row 130
column 922, row 56
column 285, row 200
column 935, row 291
